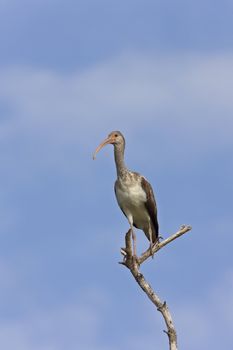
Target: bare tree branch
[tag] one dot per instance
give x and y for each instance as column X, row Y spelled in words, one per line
column 183, row 229
column 133, row 264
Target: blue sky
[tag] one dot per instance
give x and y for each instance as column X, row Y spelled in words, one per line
column 71, row 72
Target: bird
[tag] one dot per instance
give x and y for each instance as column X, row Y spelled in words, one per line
column 133, row 192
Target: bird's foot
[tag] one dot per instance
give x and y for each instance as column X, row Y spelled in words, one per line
column 160, row 238
column 154, row 244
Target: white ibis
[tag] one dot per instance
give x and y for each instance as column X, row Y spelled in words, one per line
column 134, row 193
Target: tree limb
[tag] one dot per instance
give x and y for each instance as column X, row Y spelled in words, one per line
column 183, row 229
column 133, row 264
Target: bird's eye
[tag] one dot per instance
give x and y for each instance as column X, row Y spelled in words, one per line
column 116, row 135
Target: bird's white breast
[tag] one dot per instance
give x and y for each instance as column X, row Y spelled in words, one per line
column 130, row 193
column 131, row 198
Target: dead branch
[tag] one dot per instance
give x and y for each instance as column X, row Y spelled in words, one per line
column 133, row 264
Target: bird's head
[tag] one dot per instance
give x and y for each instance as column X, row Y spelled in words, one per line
column 115, row 138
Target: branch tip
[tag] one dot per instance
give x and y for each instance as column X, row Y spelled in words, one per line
column 150, row 252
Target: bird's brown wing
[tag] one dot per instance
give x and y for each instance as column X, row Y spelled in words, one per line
column 151, row 207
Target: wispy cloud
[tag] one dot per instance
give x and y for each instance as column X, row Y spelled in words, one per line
column 190, row 92
column 177, row 100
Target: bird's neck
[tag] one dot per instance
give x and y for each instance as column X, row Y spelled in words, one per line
column 120, row 163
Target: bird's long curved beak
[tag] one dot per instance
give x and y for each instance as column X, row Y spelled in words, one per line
column 107, row 141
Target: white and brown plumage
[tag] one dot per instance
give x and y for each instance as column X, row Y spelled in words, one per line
column 133, row 192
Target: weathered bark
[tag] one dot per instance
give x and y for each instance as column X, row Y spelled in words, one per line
column 133, row 264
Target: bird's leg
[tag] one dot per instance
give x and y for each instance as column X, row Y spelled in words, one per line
column 151, row 250
column 151, row 242
column 134, row 241
column 130, row 220
column 135, row 260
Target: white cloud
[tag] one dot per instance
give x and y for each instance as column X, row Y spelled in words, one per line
column 189, row 93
